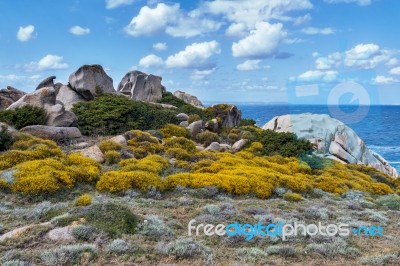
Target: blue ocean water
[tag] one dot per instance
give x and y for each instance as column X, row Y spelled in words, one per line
column 378, row 126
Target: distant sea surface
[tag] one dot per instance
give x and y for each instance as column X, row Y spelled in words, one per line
column 378, row 126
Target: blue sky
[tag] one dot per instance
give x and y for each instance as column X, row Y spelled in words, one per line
column 300, row 51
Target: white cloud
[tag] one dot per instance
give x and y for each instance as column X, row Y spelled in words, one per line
column 392, row 62
column 201, row 74
column 314, row 31
column 249, row 65
column 366, row 56
column 21, row 82
column 236, row 30
column 152, row 20
column 332, row 60
column 24, row 34
column 110, row 4
column 151, row 61
column 172, row 20
column 318, row 76
column 382, row 80
column 78, row 30
column 46, row 63
column 262, row 42
column 302, row 20
column 395, row 71
column 195, row 55
column 293, row 40
column 358, row 2
column 160, row 46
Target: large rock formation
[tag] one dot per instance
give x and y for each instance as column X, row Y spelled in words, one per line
column 54, row 133
column 47, row 82
column 141, row 87
column 228, row 114
column 9, row 96
column 57, row 116
column 190, row 99
column 332, row 138
column 90, row 81
column 68, row 97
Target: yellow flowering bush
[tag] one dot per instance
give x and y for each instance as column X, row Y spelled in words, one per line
column 152, row 163
column 83, row 200
column 182, row 143
column 292, row 197
column 172, row 130
column 112, row 157
column 85, row 169
column 178, row 153
column 143, row 144
column 115, row 181
column 109, row 145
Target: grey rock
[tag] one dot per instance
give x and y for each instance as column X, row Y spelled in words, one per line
column 238, row 145
column 184, row 124
column 212, row 125
column 90, row 81
column 9, row 96
column 46, row 98
column 54, row 133
column 140, row 86
column 195, row 128
column 68, row 97
column 225, row 147
column 331, row 138
column 190, row 99
column 214, row 146
column 47, row 82
column 120, row 139
column 182, row 117
column 228, row 113
column 94, row 153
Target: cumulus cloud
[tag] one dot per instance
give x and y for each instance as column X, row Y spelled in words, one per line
column 111, row 4
column 249, row 65
column 160, row 46
column 195, row 56
column 332, row 60
column 392, row 62
column 395, row 71
column 262, row 42
column 151, row 61
column 201, row 74
column 382, row 80
column 302, row 20
column 314, row 31
column 318, row 76
column 24, row 34
column 46, row 63
column 78, row 30
column 366, row 56
column 170, row 19
column 358, row 2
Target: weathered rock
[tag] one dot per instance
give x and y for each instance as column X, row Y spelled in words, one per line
column 163, row 105
column 120, row 139
column 184, row 124
column 214, row 146
column 47, row 82
column 212, row 125
column 141, row 87
column 68, row 97
column 9, row 96
column 229, row 114
column 190, row 99
column 90, row 81
column 61, row 233
column 225, row 147
column 81, row 145
column 238, row 145
column 200, row 147
column 46, row 98
column 20, row 231
column 331, row 138
column 93, row 152
column 182, row 117
column 195, row 128
column 54, row 133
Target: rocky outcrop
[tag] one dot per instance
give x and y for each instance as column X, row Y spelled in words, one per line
column 195, row 128
column 331, row 138
column 94, row 153
column 57, row 116
column 55, row 133
column 141, row 87
column 9, row 96
column 68, row 97
column 228, row 114
column 182, row 117
column 90, row 81
column 238, row 145
column 47, row 82
column 190, row 99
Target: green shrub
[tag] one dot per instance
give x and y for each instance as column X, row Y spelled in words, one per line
column 5, row 139
column 169, row 98
column 279, row 143
column 24, row 116
column 207, row 137
column 247, row 122
column 111, row 115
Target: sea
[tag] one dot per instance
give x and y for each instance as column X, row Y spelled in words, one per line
column 378, row 126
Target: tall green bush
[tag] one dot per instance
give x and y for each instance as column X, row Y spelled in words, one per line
column 24, row 116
